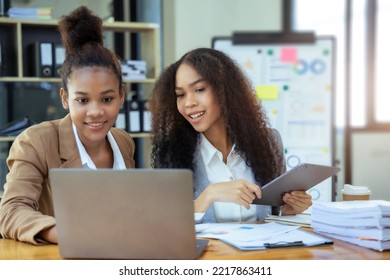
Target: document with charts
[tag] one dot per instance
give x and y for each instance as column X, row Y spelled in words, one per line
column 260, row 236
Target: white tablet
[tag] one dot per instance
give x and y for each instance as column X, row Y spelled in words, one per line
column 302, row 177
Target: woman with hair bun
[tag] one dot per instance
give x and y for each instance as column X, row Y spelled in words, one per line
column 93, row 93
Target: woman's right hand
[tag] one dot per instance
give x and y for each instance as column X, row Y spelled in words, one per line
column 237, row 191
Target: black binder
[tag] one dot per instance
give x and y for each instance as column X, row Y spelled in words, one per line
column 41, row 57
column 4, row 7
column 146, row 116
column 121, row 119
column 59, row 57
column 134, row 116
column 1, row 60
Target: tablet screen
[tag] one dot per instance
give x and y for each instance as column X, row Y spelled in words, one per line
column 302, row 177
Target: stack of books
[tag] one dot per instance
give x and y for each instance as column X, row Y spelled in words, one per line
column 30, row 13
column 362, row 222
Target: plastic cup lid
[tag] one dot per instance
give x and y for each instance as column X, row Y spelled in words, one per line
column 359, row 190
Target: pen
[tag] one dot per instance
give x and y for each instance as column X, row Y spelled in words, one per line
column 283, row 244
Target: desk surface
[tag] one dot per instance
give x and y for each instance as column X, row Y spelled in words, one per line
column 216, row 250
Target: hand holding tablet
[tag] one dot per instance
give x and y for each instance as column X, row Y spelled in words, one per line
column 301, row 178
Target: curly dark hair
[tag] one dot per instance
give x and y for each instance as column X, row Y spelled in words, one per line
column 82, row 36
column 175, row 140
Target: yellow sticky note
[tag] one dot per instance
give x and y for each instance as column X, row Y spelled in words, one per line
column 267, row 92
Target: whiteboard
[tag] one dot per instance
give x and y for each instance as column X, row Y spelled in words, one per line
column 295, row 83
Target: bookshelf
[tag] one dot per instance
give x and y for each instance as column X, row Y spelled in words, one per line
column 17, row 34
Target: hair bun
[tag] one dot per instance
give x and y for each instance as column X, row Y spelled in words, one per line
column 80, row 27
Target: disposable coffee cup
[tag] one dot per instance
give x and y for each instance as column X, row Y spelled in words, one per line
column 355, row 192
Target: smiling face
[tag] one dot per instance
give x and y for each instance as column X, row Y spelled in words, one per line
column 93, row 100
column 197, row 102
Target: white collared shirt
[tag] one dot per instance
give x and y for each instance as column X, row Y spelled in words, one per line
column 217, row 172
column 86, row 161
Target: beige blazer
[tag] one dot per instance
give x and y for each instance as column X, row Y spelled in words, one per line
column 26, row 207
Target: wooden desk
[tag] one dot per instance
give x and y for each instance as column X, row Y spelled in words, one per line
column 216, row 250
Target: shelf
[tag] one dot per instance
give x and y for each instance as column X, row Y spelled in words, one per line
column 58, row 80
column 7, row 138
column 140, row 135
column 133, row 135
column 16, row 35
column 118, row 26
column 29, row 79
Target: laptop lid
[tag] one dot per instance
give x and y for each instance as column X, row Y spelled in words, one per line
column 124, row 214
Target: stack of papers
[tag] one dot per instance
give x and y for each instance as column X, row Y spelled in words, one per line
column 260, row 236
column 362, row 222
column 30, row 13
column 303, row 220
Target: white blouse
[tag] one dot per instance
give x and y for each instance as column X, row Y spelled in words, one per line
column 218, row 171
column 86, row 161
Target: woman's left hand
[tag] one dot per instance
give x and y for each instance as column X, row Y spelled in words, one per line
column 296, row 202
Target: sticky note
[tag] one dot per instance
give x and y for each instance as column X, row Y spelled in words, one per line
column 267, row 92
column 289, row 55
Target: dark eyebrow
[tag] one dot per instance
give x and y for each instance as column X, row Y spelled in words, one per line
column 193, row 83
column 108, row 91
column 80, row 93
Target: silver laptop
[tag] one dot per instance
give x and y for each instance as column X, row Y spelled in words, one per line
column 125, row 214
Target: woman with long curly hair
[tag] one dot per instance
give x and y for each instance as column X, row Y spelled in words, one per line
column 206, row 118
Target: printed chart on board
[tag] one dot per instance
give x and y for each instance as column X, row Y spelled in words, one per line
column 295, row 85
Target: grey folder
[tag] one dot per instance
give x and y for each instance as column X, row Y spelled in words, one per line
column 125, row 214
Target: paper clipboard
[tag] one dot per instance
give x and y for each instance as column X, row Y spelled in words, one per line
column 295, row 238
column 302, row 177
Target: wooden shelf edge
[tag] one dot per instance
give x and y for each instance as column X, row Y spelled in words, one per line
column 7, row 138
column 58, row 80
column 133, row 135
column 112, row 26
column 140, row 135
column 30, row 79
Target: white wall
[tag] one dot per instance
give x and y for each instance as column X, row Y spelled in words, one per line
column 189, row 24
column 371, row 162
